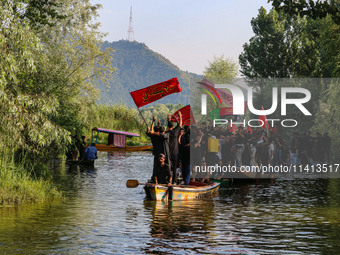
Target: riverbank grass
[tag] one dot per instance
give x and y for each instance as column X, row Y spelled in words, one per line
column 18, row 187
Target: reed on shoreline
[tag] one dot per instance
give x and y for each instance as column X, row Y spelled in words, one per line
column 20, row 184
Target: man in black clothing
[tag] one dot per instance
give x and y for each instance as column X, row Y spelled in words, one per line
column 227, row 154
column 184, row 148
column 160, row 139
column 82, row 148
column 163, row 174
column 155, row 143
column 239, row 145
column 173, row 144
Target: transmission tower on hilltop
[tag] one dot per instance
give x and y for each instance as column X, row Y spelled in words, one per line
column 131, row 36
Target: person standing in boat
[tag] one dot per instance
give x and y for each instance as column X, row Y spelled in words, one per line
column 91, row 152
column 161, row 140
column 82, row 148
column 173, row 143
column 184, row 148
column 155, row 143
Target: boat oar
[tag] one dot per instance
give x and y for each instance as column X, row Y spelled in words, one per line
column 135, row 183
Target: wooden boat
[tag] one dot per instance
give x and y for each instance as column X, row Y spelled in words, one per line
column 181, row 192
column 116, row 141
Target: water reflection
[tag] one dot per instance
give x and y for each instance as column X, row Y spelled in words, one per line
column 99, row 215
column 179, row 225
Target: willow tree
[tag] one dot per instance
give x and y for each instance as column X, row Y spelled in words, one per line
column 47, row 74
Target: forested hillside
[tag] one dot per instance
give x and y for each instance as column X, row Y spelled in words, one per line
column 137, row 67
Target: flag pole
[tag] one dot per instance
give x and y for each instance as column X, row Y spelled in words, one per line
column 142, row 117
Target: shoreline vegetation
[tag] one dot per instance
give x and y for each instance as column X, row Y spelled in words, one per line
column 20, row 184
column 50, row 62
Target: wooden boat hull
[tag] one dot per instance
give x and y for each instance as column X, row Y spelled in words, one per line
column 159, row 193
column 103, row 147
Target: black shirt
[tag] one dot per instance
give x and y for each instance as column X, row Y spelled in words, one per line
column 163, row 173
column 173, row 140
column 240, row 139
column 156, row 143
column 173, row 145
column 227, row 154
column 185, row 149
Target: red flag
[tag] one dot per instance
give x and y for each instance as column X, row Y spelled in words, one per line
column 250, row 130
column 263, row 121
column 274, row 129
column 155, row 92
column 187, row 116
column 221, row 94
column 232, row 128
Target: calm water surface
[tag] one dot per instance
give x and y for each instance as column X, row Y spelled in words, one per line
column 101, row 216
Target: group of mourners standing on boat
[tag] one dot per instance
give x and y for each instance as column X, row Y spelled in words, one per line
column 251, row 147
column 217, row 146
column 80, row 150
column 171, row 150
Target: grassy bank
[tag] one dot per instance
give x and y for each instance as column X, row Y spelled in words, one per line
column 17, row 186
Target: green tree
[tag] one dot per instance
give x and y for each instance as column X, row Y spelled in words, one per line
column 327, row 117
column 282, row 47
column 291, row 46
column 328, row 41
column 310, row 8
column 39, row 13
column 221, row 69
column 47, row 74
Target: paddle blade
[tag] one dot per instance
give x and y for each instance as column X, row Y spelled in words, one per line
column 132, row 183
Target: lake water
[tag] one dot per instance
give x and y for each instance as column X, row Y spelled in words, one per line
column 99, row 215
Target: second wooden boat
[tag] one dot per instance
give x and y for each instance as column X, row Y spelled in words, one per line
column 116, row 141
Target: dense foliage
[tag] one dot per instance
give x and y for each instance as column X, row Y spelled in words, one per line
column 310, row 8
column 290, row 44
column 220, row 70
column 46, row 76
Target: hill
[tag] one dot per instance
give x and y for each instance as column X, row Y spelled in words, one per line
column 138, row 67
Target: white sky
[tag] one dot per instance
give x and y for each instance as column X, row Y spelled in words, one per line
column 187, row 32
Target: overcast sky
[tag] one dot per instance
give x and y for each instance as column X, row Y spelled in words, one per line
column 187, row 32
